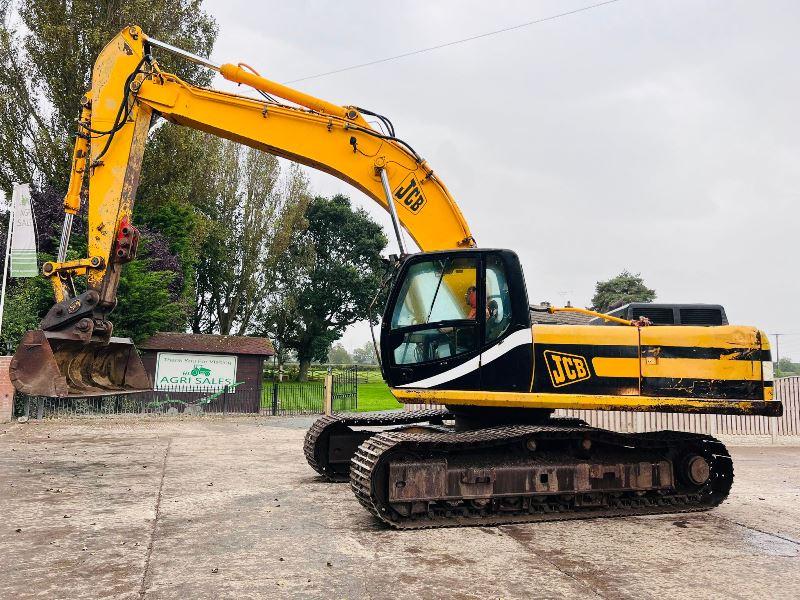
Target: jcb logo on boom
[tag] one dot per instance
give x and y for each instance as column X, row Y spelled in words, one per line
column 566, row 368
column 409, row 194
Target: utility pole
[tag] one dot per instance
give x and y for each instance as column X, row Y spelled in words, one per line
column 778, row 346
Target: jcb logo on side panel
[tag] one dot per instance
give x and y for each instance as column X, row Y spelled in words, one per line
column 409, row 194
column 566, row 368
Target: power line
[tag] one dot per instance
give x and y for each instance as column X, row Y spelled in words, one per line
column 453, row 43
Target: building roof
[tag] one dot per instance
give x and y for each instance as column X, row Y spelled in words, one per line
column 215, row 344
column 559, row 318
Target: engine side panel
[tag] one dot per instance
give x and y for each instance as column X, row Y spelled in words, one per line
column 703, row 362
column 683, row 362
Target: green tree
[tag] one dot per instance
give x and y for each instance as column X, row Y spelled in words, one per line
column 252, row 217
column 622, row 289
column 327, row 280
column 145, row 305
column 338, row 355
column 365, row 355
column 786, row 368
column 24, row 302
column 45, row 68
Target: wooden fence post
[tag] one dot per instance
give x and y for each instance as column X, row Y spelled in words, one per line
column 328, row 392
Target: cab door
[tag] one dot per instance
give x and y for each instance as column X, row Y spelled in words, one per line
column 507, row 348
column 430, row 334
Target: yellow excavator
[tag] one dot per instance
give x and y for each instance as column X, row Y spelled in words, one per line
column 457, row 329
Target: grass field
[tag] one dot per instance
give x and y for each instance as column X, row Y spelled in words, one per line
column 373, row 394
column 376, row 396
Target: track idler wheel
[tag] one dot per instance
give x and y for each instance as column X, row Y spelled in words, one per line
column 697, row 471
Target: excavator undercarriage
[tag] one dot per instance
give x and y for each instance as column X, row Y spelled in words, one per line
column 424, row 472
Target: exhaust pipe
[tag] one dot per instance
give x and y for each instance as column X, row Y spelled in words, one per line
column 57, row 365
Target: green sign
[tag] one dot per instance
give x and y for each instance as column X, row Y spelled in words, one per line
column 23, row 263
column 175, row 371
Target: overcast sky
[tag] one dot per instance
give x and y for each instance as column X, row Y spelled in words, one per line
column 656, row 136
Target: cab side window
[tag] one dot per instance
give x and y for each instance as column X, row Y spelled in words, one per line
column 498, row 299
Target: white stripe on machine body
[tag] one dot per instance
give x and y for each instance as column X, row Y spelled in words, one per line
column 767, row 371
column 518, row 338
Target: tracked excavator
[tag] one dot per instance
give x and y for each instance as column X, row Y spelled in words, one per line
column 456, row 331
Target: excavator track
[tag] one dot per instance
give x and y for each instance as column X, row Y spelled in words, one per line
column 522, row 473
column 330, row 442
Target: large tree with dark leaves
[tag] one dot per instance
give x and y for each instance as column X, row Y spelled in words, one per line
column 622, row 289
column 328, row 279
column 256, row 208
column 45, row 68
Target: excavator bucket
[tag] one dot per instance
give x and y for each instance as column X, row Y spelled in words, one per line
column 57, row 365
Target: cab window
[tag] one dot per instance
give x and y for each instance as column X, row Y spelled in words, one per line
column 437, row 292
column 498, row 299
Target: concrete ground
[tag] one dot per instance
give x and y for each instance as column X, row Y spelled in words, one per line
column 204, row 508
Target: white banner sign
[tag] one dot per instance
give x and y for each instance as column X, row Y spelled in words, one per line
column 195, row 371
column 23, row 234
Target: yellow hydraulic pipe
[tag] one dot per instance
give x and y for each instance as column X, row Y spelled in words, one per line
column 245, row 74
column 237, row 74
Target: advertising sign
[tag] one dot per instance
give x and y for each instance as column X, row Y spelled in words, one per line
column 23, row 236
column 176, row 371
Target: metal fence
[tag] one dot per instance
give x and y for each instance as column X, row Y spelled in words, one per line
column 185, row 400
column 308, row 398
column 293, row 398
column 284, row 398
column 787, row 390
column 316, row 372
column 345, row 390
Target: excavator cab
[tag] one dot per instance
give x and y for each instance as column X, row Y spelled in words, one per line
column 449, row 313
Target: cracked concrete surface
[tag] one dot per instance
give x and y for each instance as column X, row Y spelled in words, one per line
column 206, row 508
